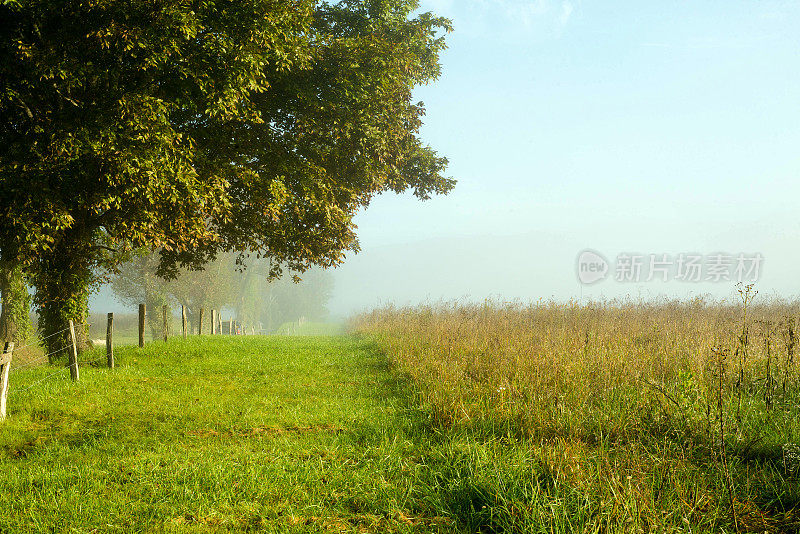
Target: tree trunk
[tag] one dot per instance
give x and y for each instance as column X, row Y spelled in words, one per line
column 7, row 324
column 63, row 283
column 154, row 319
column 155, row 300
column 15, row 321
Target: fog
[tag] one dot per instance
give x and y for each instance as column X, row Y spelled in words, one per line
column 531, row 267
column 526, row 267
column 673, row 134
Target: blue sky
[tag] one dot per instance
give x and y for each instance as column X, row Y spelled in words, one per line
column 654, row 127
column 621, row 127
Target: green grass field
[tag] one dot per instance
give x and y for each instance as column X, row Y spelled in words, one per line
column 323, row 434
column 218, row 434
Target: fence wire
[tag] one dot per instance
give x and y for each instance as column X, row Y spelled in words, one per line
column 28, row 363
column 38, row 341
column 39, row 360
column 36, row 362
column 20, row 390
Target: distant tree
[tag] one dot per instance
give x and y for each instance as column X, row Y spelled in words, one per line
column 135, row 282
column 195, row 128
column 249, row 294
column 287, row 301
column 213, row 287
column 267, row 302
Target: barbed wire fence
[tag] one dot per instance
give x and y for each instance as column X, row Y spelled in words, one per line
column 70, row 349
column 7, row 370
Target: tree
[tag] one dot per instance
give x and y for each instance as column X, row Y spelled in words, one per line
column 201, row 127
column 93, row 162
column 342, row 129
column 269, row 303
column 248, row 293
column 135, row 282
column 210, row 288
column 285, row 301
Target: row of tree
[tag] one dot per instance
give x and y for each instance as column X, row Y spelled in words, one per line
column 249, row 295
column 194, row 128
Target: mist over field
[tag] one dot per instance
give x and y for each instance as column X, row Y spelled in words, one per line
column 526, row 268
column 619, row 128
column 399, row 266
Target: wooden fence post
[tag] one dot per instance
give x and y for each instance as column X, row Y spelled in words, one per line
column 73, row 354
column 213, row 322
column 142, row 311
column 110, row 341
column 183, row 320
column 5, row 367
column 165, row 312
column 200, row 323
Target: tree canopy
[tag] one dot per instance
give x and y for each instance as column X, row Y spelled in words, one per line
column 195, row 127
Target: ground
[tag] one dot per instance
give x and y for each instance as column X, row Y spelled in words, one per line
column 303, row 434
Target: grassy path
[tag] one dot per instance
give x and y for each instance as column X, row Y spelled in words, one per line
column 219, row 434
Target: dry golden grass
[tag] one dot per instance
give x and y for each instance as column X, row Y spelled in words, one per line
column 659, row 415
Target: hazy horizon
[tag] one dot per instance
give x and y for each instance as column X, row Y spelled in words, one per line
column 633, row 128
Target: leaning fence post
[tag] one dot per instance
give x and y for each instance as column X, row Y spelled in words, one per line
column 142, row 311
column 5, row 367
column 183, row 320
column 200, row 323
column 164, row 312
column 73, row 354
column 213, row 322
column 110, row 341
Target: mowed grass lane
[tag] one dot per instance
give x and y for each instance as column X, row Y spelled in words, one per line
column 278, row 434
